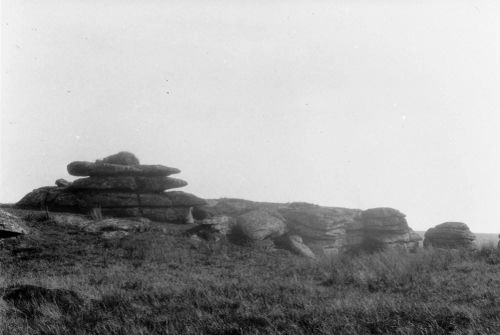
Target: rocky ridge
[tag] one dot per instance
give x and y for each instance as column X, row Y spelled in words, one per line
column 302, row 227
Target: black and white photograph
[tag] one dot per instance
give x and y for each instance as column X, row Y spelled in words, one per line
column 249, row 167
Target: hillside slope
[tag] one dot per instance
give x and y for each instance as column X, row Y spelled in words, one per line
column 156, row 282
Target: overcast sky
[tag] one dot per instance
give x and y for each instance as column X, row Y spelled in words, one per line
column 341, row 103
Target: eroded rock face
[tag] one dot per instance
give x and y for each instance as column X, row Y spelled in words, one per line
column 450, row 235
column 261, row 224
column 10, row 225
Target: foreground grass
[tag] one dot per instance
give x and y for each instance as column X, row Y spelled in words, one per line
column 155, row 283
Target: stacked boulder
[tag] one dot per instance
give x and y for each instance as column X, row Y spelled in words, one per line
column 118, row 186
column 450, row 235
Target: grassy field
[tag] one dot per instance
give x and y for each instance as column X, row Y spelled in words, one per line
column 156, row 283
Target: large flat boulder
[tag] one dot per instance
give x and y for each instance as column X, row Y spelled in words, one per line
column 107, row 169
column 450, row 235
column 54, row 198
column 128, row 183
column 10, row 225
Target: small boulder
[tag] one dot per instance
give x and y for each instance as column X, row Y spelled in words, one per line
column 261, row 224
column 10, row 225
column 122, row 158
column 450, row 235
column 62, row 182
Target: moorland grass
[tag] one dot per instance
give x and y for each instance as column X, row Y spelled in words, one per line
column 156, row 283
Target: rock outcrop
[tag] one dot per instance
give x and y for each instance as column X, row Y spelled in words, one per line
column 324, row 230
column 118, row 186
column 10, row 225
column 450, row 235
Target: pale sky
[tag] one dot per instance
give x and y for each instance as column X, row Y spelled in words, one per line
column 340, row 103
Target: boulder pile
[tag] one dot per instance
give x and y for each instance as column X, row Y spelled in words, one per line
column 118, row 186
column 450, row 235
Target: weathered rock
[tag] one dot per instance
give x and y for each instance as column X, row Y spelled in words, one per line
column 106, row 169
column 235, row 207
column 384, row 219
column 316, row 222
column 179, row 198
column 172, row 215
column 128, row 183
column 295, row 244
column 221, row 223
column 117, row 225
column 123, row 183
column 114, row 235
column 160, row 214
column 325, row 229
column 62, row 183
column 158, row 184
column 449, row 235
column 10, row 225
column 389, row 226
column 121, row 158
column 261, row 224
column 200, row 213
column 37, row 197
column 81, row 201
column 71, row 220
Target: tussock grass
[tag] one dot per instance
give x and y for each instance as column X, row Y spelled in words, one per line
column 156, row 283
